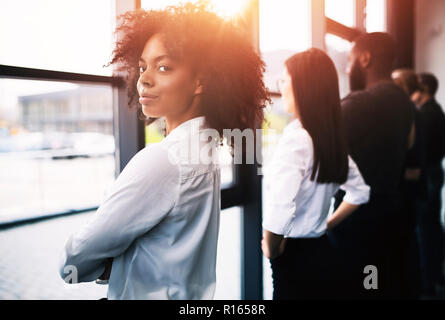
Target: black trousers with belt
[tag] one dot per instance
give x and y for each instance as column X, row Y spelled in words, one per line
column 303, row 270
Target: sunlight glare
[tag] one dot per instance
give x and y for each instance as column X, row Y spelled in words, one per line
column 229, row 8
column 225, row 8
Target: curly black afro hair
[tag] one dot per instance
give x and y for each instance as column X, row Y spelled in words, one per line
column 234, row 94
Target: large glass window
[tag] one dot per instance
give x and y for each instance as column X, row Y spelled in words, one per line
column 70, row 35
column 375, row 15
column 341, row 11
column 338, row 49
column 56, row 147
column 284, row 31
column 228, row 260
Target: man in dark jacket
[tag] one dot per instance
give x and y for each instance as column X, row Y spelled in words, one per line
column 431, row 237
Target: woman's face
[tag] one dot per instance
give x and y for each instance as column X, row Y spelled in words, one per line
column 166, row 87
column 287, row 93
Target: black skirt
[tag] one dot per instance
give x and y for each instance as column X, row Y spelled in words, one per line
column 304, row 271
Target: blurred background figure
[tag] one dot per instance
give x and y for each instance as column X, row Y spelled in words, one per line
column 431, row 238
column 309, row 165
column 413, row 193
column 379, row 121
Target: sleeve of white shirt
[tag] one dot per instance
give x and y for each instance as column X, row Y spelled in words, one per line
column 357, row 191
column 142, row 195
column 282, row 181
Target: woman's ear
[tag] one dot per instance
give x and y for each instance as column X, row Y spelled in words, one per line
column 198, row 87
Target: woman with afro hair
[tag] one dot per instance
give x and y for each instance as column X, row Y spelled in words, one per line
column 159, row 222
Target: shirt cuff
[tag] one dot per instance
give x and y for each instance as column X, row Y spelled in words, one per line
column 358, row 197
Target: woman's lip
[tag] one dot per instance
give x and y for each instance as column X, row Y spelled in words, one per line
column 147, row 99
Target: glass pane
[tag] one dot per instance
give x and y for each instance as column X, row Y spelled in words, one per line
column 278, row 37
column 376, row 15
column 70, row 35
column 338, row 49
column 228, row 260
column 56, row 147
column 341, row 11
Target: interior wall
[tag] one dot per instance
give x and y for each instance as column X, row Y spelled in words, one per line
column 430, row 41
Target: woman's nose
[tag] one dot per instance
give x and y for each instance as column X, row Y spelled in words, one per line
column 146, row 79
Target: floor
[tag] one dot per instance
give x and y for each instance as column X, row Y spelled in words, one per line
column 29, row 261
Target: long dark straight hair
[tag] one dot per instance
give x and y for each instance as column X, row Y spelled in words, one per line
column 316, row 92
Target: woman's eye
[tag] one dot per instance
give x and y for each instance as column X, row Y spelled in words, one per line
column 164, row 68
column 141, row 69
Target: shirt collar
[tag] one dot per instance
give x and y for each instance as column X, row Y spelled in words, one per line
column 295, row 124
column 187, row 127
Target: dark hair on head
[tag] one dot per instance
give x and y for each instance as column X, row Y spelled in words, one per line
column 316, row 92
column 234, row 94
column 381, row 46
column 406, row 79
column 429, row 82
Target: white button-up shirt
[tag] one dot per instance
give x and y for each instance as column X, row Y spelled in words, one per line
column 159, row 222
column 295, row 206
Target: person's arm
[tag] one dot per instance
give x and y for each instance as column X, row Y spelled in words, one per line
column 415, row 156
column 357, row 193
column 142, row 195
column 412, row 174
column 342, row 212
column 272, row 244
column 282, row 181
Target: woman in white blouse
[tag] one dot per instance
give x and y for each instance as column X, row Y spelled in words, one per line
column 159, row 223
column 309, row 165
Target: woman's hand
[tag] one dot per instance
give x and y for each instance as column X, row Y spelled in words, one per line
column 106, row 274
column 273, row 245
column 342, row 212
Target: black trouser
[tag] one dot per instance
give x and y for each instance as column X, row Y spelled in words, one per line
column 302, row 271
column 369, row 237
column 413, row 198
column 431, row 239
